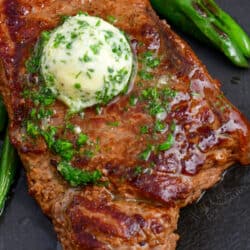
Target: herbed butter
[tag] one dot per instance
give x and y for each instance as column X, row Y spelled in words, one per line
column 86, row 61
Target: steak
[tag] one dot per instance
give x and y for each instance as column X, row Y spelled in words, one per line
column 134, row 210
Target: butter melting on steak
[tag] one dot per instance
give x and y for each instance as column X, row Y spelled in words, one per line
column 140, row 206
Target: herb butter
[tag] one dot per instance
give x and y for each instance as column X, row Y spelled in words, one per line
column 86, row 61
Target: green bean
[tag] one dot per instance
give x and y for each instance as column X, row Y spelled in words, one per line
column 205, row 20
column 3, row 116
column 8, row 163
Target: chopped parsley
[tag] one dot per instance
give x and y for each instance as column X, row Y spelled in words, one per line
column 110, row 82
column 159, row 126
column 82, row 24
column 32, row 129
column 98, row 110
column 156, row 108
column 144, row 75
column 111, row 19
column 70, row 127
column 59, row 39
column 82, row 139
column 63, row 18
column 169, row 93
column 149, row 60
column 43, row 96
column 43, row 113
column 133, row 100
column 77, row 177
column 33, row 64
column 85, row 58
column 80, row 12
column 144, row 155
column 108, row 34
column 95, row 48
column 157, row 99
column 167, row 144
column 73, row 35
column 138, row 170
column 172, row 127
column 117, row 49
column 98, row 23
column 144, row 129
column 113, row 124
column 33, row 114
column 49, row 135
column 77, row 86
column 63, row 148
column 88, row 154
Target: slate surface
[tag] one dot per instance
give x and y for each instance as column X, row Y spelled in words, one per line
column 219, row 221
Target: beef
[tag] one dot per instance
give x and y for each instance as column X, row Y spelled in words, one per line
column 139, row 211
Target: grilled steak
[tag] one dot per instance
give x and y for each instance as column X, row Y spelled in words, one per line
column 139, row 207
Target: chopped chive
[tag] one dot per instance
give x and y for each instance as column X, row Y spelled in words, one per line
column 78, row 74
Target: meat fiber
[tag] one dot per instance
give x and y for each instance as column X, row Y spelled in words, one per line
column 138, row 211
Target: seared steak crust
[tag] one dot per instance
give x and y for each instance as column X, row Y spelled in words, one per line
column 140, row 211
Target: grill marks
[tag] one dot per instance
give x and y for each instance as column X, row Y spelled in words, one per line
column 162, row 187
column 96, row 215
column 101, row 218
column 13, row 18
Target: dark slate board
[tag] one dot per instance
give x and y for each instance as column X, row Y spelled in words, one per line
column 219, row 221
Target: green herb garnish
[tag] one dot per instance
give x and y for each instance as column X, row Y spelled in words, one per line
column 113, row 124
column 132, row 100
column 144, row 129
column 144, row 155
column 33, row 64
column 63, row 148
column 95, row 48
column 32, row 129
column 111, row 19
column 159, row 126
column 77, row 177
column 145, row 75
column 59, row 39
column 85, row 58
column 167, row 144
column 138, row 170
column 82, row 139
column 88, row 153
column 149, row 60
